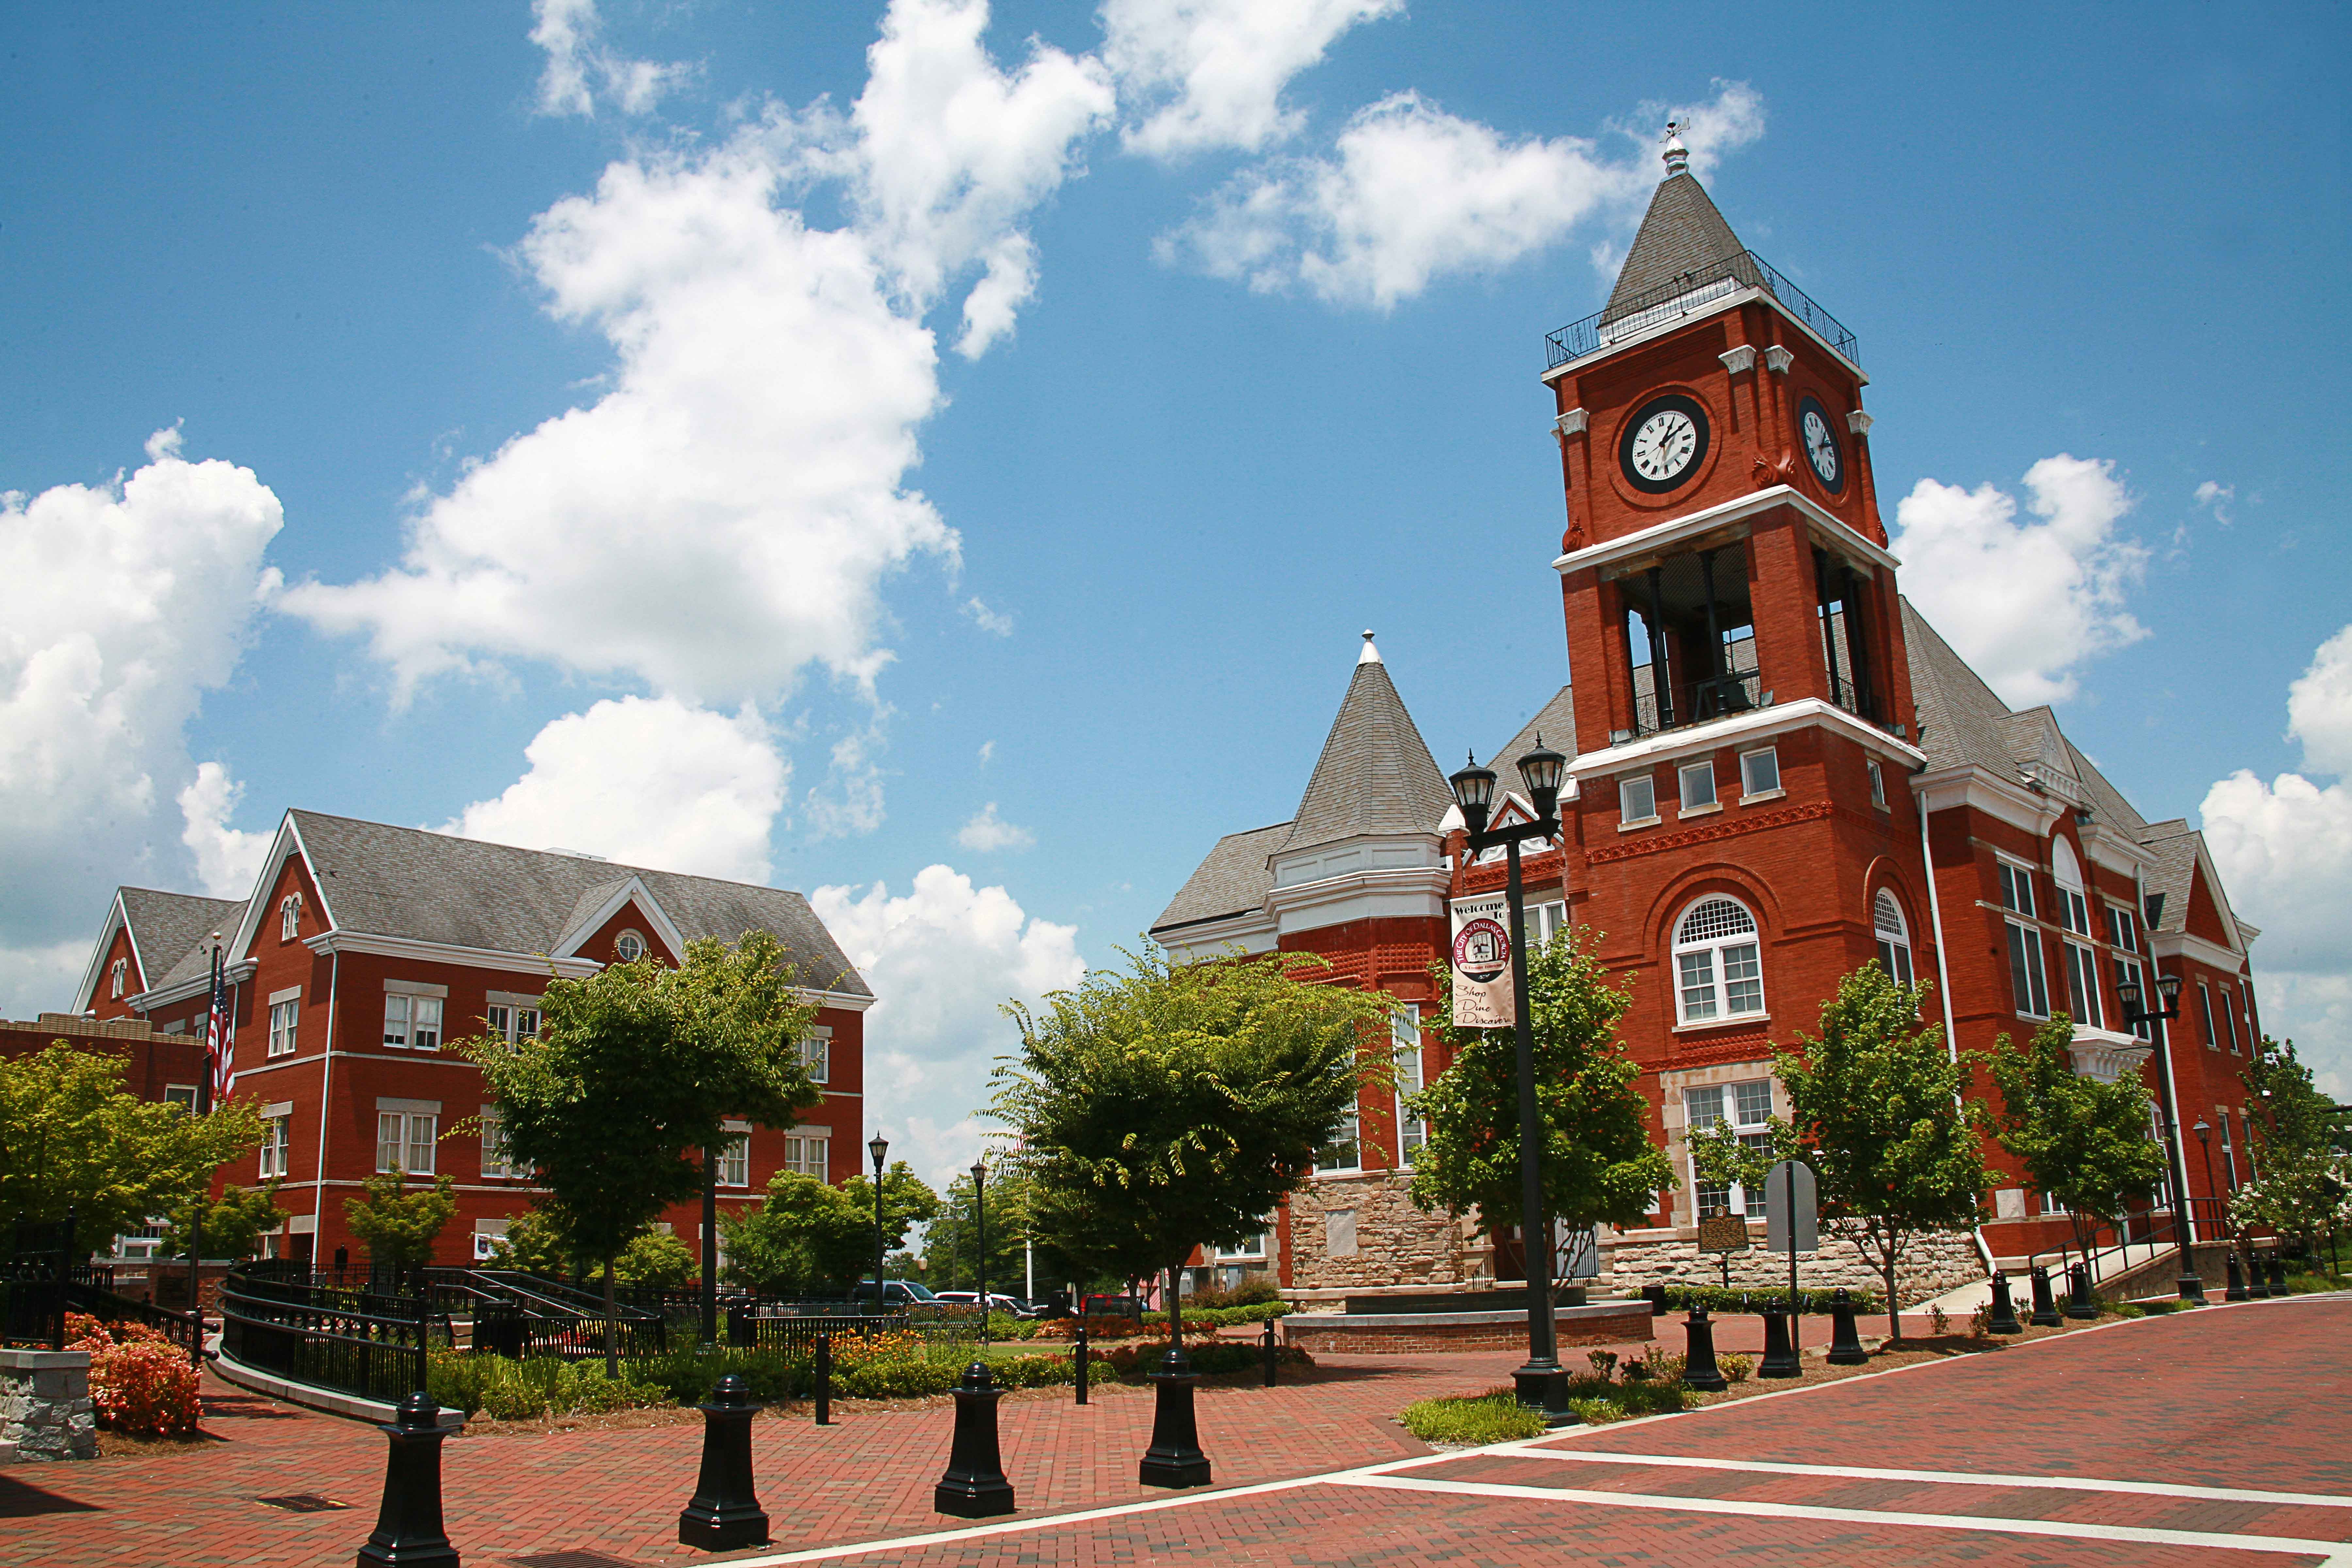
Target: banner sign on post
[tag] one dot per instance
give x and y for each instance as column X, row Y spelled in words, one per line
column 1482, row 967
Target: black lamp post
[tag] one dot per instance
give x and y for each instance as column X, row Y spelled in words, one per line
column 1542, row 1384
column 879, row 1147
column 980, row 1240
column 2131, row 993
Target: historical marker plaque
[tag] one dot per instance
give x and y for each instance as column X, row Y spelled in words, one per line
column 1723, row 1233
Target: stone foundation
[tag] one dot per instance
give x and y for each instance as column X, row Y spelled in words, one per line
column 1407, row 1334
column 45, row 1408
column 1394, row 1243
column 1931, row 1265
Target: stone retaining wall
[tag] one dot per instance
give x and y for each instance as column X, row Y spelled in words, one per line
column 45, row 1408
column 1931, row 1265
column 1408, row 1333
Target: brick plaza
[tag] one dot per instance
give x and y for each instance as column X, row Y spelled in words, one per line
column 2220, row 1436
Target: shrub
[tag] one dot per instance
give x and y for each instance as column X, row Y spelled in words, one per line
column 1494, row 1416
column 1718, row 1300
column 536, row 1386
column 1594, row 1412
column 1604, row 1363
column 1735, row 1368
column 144, row 1385
column 2127, row 1310
column 1257, row 1292
column 1209, row 1357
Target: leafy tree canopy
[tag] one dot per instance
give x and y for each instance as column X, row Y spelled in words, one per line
column 2288, row 1111
column 806, row 1237
column 535, row 1242
column 948, row 1244
column 397, row 1224
column 1170, row 1106
column 658, row 1259
column 72, row 1138
column 234, row 1223
column 1599, row 1165
column 2088, row 1145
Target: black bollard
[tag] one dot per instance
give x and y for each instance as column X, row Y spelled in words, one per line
column 824, row 1380
column 2237, row 1290
column 1078, row 1360
column 408, row 1529
column 2081, row 1305
column 1699, row 1370
column 739, row 1325
column 1655, row 1295
column 2004, row 1311
column 1174, row 1459
column 2045, row 1306
column 2278, row 1275
column 2258, row 1279
column 1269, row 1352
column 974, row 1486
column 1779, row 1349
column 1845, row 1345
column 724, row 1514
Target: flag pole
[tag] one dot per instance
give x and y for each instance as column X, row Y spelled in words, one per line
column 213, row 1025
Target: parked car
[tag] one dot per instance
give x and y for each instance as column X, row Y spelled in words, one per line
column 1011, row 1305
column 1114, row 1307
column 896, row 1293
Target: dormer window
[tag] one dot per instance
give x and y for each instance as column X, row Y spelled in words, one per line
column 290, row 917
column 629, row 947
column 122, row 973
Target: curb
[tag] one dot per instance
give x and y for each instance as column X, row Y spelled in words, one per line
column 326, row 1401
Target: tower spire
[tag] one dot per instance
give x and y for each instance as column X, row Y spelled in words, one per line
column 1676, row 155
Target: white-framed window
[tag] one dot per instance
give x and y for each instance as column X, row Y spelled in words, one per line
column 1404, row 1038
column 276, row 1141
column 404, row 1140
column 1718, row 971
column 2205, row 1006
column 1696, row 784
column 816, row 1054
column 1893, row 935
column 1546, row 921
column 2016, row 887
column 735, row 1162
column 1637, row 798
column 1747, row 1106
column 807, row 1154
column 121, row 975
column 2083, row 985
column 2230, row 1018
column 282, row 1025
column 2229, row 1150
column 412, row 1021
column 1760, row 771
column 509, row 1022
column 290, row 917
column 1877, row 784
column 2047, row 1204
column 2123, row 931
column 1343, row 1150
column 2027, row 984
column 629, row 946
column 1248, row 1247
column 497, row 1161
column 2066, row 879
column 182, row 1095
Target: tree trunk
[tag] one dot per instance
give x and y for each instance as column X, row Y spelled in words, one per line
column 1894, row 1311
column 611, row 1342
column 1175, row 1310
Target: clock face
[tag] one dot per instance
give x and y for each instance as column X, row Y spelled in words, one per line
column 1820, row 445
column 1663, row 443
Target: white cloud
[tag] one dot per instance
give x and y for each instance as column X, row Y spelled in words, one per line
column 578, row 66
column 2319, row 706
column 1411, row 194
column 40, row 979
column 987, row 833
column 987, row 753
column 646, row 781
column 227, row 858
column 941, row 960
column 990, row 621
column 126, row 602
column 849, row 801
column 1210, row 73
column 2027, row 603
column 2218, row 498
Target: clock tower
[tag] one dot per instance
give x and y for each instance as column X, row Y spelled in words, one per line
column 1744, row 722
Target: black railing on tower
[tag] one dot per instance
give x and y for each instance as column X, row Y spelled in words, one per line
column 1696, row 290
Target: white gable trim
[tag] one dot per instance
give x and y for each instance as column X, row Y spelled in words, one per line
column 233, row 974
column 117, row 919
column 441, row 952
column 283, row 848
column 632, row 892
column 1981, row 789
column 2221, row 900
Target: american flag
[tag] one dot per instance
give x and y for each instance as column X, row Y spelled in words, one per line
column 220, row 1042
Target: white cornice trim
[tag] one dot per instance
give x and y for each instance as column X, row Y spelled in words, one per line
column 2196, row 949
column 441, row 952
column 1738, row 729
column 1712, row 308
column 843, row 1000
column 234, row 973
column 1981, row 789
column 632, row 892
column 1432, row 880
column 286, row 842
column 2111, row 848
column 1724, row 513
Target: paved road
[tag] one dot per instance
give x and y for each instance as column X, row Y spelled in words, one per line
column 2223, row 1436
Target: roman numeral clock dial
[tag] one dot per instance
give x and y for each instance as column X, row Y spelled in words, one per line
column 1664, row 444
column 1821, row 444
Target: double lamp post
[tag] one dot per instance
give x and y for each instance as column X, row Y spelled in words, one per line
column 1542, row 1384
column 2130, row 992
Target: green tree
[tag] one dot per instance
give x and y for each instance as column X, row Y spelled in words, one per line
column 656, row 1259
column 949, row 1242
column 234, row 1223
column 632, row 1075
column 1874, row 1105
column 535, row 1242
column 72, row 1139
column 1599, row 1165
column 806, row 1237
column 2083, row 1143
column 397, row 1224
column 1174, row 1105
column 2288, row 1111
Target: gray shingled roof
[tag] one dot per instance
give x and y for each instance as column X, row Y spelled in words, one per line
column 383, row 880
column 1232, row 880
column 1375, row 775
column 1959, row 717
column 2105, row 798
column 169, row 931
column 1555, row 721
column 1681, row 233
column 2172, row 847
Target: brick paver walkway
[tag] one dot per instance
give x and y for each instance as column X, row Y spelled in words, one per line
column 2248, row 1400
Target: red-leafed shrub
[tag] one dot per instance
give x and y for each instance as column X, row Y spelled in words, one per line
column 141, row 1382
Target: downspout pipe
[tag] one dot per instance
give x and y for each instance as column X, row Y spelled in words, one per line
column 326, row 1084
column 1944, row 991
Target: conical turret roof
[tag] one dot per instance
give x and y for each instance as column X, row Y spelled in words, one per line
column 1682, row 234
column 1375, row 775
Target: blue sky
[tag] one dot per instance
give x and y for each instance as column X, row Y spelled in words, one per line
column 963, row 468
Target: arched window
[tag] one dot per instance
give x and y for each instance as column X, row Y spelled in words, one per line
column 1893, row 937
column 1718, row 973
column 2082, row 964
column 290, row 917
column 122, row 975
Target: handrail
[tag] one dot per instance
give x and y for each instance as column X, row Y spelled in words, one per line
column 2161, row 1232
column 1699, row 287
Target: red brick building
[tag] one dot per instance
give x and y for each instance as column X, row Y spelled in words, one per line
column 1779, row 772
column 365, row 948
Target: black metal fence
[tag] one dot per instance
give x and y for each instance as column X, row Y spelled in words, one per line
column 356, row 1341
column 796, row 1332
column 87, row 1290
column 1696, row 289
column 32, row 1283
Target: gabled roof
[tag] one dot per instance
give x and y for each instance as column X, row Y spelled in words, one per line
column 1234, row 880
column 1375, row 775
column 1959, row 716
column 191, row 921
column 1681, row 233
column 1555, row 722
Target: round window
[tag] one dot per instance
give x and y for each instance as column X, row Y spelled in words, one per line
column 630, row 946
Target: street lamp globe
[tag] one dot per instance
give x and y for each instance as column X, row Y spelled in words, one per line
column 879, row 1147
column 2128, row 991
column 2204, row 1134
column 2168, row 986
column 1542, row 768
column 1474, row 792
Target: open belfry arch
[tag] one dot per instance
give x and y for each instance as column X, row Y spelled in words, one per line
column 1779, row 772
